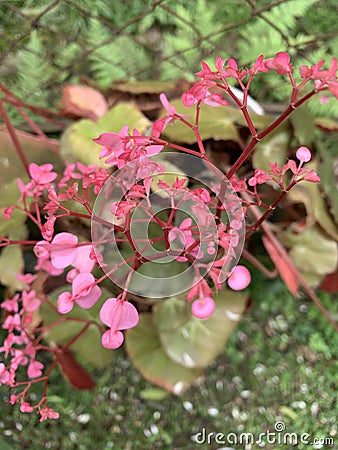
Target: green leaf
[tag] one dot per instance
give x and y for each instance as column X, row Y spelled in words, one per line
column 328, row 179
column 13, row 228
column 11, row 263
column 312, row 251
column 88, row 347
column 303, row 125
column 309, row 194
column 145, row 350
column 153, row 394
column 35, row 149
column 193, row 342
column 143, row 87
column 77, row 141
column 215, row 123
column 273, row 149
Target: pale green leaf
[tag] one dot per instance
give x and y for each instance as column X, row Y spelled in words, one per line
column 193, row 342
column 77, row 141
column 11, row 263
column 145, row 350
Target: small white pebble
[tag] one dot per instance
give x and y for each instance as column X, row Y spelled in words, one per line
column 259, row 370
column 153, row 429
column 147, row 433
column 73, row 436
column 219, row 385
column 18, row 426
column 83, row 418
column 188, row 406
column 157, row 415
column 275, row 379
column 261, row 409
column 235, row 413
column 245, row 394
column 314, row 409
column 244, row 416
column 213, row 412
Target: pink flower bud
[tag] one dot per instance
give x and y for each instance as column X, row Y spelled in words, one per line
column 312, row 176
column 203, row 307
column 303, row 154
column 239, row 279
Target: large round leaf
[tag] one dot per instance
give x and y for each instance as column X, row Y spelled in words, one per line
column 77, row 141
column 312, row 251
column 193, row 342
column 145, row 349
column 35, row 149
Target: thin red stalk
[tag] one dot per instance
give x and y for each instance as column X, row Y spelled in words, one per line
column 15, row 140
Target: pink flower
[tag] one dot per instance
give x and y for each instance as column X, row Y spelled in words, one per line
column 203, row 307
column 312, row 176
column 200, row 93
column 112, row 144
column 30, row 301
column 65, row 303
column 260, row 177
column 118, row 315
column 8, row 212
column 34, row 369
column 48, row 413
column 199, row 289
column 85, row 292
column 239, row 279
column 280, row 63
column 82, row 263
column 303, row 154
column 232, row 70
column 25, row 407
column 11, row 304
column 63, row 250
column 4, row 374
column 259, row 66
column 171, row 110
column 42, row 174
column 47, row 229
column 206, row 73
column 182, row 232
column 311, row 72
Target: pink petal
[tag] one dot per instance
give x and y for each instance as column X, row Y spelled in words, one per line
column 90, row 299
column 112, row 340
column 119, row 314
column 65, row 303
column 82, row 284
column 64, row 250
column 83, row 262
column 34, row 171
